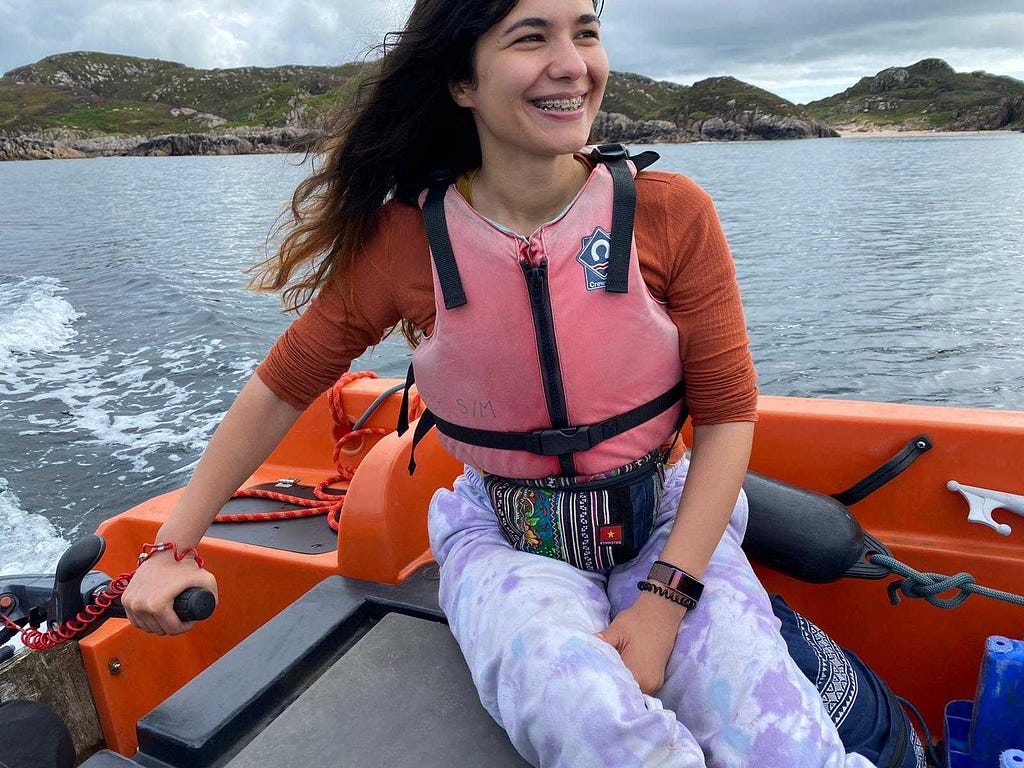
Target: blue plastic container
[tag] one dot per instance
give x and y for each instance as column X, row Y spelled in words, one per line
column 986, row 733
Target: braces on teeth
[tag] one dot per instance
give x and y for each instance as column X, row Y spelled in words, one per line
column 562, row 104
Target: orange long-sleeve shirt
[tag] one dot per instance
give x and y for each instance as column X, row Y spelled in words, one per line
column 684, row 260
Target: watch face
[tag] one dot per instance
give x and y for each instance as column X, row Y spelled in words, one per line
column 676, row 579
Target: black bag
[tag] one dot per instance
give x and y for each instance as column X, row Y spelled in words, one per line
column 868, row 716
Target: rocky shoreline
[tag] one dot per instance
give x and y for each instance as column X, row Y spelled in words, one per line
column 609, row 127
column 749, row 125
column 56, row 145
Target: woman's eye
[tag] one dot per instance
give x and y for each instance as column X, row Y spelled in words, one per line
column 530, row 39
column 590, row 33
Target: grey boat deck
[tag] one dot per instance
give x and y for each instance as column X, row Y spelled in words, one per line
column 378, row 681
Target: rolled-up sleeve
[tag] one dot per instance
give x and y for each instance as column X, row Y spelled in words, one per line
column 703, row 300
column 351, row 313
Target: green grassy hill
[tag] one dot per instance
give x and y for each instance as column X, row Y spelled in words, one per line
column 105, row 93
column 716, row 96
column 641, row 98
column 81, row 96
column 928, row 95
column 100, row 93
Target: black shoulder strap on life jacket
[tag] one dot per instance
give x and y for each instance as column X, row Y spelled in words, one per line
column 623, row 209
column 441, row 247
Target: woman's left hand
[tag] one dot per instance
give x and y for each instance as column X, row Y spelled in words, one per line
column 644, row 635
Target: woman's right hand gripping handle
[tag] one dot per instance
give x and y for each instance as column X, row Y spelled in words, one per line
column 149, row 600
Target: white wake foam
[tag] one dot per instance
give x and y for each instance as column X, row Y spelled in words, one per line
column 138, row 403
column 35, row 319
column 28, row 543
column 125, row 402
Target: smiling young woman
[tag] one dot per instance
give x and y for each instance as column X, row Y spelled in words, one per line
column 576, row 546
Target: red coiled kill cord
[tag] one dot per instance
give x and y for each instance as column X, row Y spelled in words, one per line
column 73, row 627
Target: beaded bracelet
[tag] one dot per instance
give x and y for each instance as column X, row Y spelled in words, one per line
column 675, row 596
column 148, row 550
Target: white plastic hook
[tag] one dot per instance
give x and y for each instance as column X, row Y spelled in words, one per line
column 983, row 500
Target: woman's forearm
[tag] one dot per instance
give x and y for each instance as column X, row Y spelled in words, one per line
column 251, row 429
column 718, row 463
column 645, row 633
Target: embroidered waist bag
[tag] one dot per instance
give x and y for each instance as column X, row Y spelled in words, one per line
column 593, row 522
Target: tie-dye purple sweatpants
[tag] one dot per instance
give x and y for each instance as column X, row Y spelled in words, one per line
column 732, row 697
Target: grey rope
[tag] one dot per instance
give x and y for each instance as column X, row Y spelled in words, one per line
column 930, row 585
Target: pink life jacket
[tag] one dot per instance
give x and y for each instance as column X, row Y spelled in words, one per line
column 548, row 355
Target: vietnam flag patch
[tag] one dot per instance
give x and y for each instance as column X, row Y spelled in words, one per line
column 611, row 534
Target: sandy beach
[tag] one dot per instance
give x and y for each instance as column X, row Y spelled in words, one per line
column 874, row 133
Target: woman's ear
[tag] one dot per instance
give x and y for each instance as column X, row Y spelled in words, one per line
column 461, row 92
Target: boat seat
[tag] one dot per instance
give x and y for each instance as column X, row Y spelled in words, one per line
column 353, row 674
column 401, row 697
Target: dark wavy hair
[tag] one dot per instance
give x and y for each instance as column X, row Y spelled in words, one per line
column 402, row 124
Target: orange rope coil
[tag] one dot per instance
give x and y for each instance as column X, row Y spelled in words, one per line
column 325, row 503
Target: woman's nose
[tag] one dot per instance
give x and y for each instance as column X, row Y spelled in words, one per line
column 567, row 63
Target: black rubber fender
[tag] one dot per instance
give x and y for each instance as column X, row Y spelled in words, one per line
column 800, row 533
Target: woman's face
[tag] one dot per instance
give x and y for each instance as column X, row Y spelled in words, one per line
column 540, row 75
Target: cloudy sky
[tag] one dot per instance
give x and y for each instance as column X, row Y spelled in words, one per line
column 799, row 49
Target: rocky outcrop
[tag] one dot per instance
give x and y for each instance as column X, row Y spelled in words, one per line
column 754, row 126
column 918, row 75
column 28, row 148
column 751, row 125
column 193, row 144
column 60, row 144
column 611, row 127
column 1006, row 114
column 201, row 119
column 241, row 143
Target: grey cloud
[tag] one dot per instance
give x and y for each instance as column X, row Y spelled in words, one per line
column 800, row 49
column 808, row 48
column 201, row 33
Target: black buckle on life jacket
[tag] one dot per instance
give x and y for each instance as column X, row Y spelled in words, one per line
column 606, row 153
column 556, row 442
column 548, row 442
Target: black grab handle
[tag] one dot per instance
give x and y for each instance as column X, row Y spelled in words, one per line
column 194, row 604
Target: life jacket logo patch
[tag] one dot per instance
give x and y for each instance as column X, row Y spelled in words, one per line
column 594, row 258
